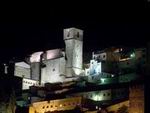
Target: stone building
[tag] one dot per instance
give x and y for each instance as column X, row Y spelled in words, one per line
column 136, row 98
column 55, row 65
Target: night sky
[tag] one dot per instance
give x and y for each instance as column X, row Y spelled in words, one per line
column 25, row 29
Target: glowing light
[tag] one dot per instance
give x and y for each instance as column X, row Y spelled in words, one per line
column 96, row 107
column 97, row 98
column 132, row 55
column 124, row 59
column 98, row 68
column 102, row 80
column 95, row 67
column 60, row 105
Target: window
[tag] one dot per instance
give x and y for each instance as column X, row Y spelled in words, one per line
column 53, row 69
column 108, row 94
column 104, row 94
column 73, row 103
column 56, row 106
column 47, row 107
column 78, row 34
column 43, row 107
column 51, row 106
column 104, row 56
column 68, row 34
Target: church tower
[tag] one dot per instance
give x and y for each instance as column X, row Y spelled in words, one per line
column 74, row 51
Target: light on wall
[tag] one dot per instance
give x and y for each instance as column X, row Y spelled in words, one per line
column 132, row 55
column 97, row 97
column 102, row 80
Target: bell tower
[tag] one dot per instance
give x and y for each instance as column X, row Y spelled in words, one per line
column 73, row 38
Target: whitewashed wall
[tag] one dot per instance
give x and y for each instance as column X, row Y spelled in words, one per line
column 22, row 69
column 26, row 83
column 53, row 70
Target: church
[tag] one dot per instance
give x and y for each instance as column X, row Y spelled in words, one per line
column 54, row 66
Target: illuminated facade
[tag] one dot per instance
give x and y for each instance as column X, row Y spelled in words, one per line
column 94, row 69
column 104, row 95
column 113, row 65
column 136, row 99
column 55, row 105
column 55, row 65
column 26, row 83
column 95, row 95
column 74, row 51
column 60, row 66
column 22, row 69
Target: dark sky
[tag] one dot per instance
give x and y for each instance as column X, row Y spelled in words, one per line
column 28, row 28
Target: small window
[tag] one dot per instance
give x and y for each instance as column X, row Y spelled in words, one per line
column 78, row 34
column 108, row 94
column 73, row 103
column 47, row 107
column 104, row 94
column 43, row 107
column 104, row 56
column 53, row 69
column 68, row 35
column 51, row 106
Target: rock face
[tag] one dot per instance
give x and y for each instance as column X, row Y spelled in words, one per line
column 7, row 96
